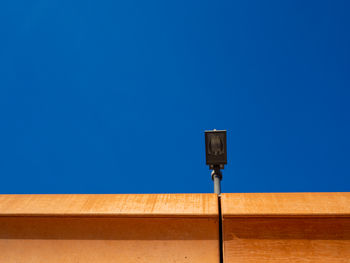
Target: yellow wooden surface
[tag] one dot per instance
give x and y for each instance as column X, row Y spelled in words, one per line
column 130, row 205
column 111, row 239
column 285, row 204
column 276, row 227
column 303, row 227
column 109, row 228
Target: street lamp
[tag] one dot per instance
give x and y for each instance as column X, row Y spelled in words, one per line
column 216, row 155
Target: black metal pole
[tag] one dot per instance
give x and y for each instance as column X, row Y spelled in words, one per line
column 216, row 176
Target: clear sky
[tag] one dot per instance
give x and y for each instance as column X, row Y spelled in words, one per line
column 114, row 96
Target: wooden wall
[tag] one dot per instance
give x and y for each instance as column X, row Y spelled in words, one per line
column 270, row 227
column 288, row 227
column 109, row 228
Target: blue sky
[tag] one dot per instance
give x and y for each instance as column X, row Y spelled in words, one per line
column 114, row 96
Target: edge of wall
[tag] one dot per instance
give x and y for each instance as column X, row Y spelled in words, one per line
column 285, row 204
column 116, row 205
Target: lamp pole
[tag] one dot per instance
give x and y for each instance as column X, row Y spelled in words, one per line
column 216, row 176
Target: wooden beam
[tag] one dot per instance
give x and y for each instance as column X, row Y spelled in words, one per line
column 286, row 227
column 116, row 205
column 285, row 204
column 109, row 228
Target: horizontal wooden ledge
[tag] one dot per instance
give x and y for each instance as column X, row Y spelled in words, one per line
column 285, row 204
column 178, row 205
column 102, row 205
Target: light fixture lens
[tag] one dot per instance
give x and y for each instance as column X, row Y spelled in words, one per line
column 215, row 148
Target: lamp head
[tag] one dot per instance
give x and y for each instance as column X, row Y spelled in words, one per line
column 215, row 148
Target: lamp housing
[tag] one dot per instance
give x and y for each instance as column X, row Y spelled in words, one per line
column 215, row 148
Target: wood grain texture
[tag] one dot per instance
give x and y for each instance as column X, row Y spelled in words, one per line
column 109, row 228
column 286, row 227
column 128, row 205
column 285, row 204
column 248, row 240
column 108, row 239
